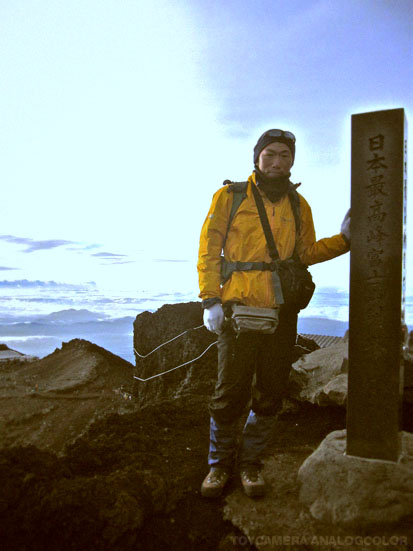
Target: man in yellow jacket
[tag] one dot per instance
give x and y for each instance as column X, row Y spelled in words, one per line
column 253, row 367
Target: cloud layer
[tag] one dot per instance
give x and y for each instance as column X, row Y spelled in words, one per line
column 33, row 245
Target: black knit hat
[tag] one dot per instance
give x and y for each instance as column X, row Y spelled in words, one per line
column 274, row 135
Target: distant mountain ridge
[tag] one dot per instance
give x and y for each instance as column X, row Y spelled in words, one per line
column 71, row 315
column 69, row 322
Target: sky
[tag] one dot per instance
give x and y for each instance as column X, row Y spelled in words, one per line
column 120, row 119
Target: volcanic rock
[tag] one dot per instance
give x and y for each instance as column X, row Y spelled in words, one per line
column 7, row 355
column 50, row 402
column 153, row 329
column 321, row 377
column 128, row 475
column 351, row 490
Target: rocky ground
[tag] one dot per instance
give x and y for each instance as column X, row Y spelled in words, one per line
column 86, row 465
column 51, row 401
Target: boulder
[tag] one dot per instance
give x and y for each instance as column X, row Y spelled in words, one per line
column 321, row 377
column 335, row 391
column 50, row 402
column 348, row 490
column 154, row 329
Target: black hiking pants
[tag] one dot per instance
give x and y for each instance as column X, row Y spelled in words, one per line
column 253, row 367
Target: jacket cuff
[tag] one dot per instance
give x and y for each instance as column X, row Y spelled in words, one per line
column 346, row 239
column 208, row 302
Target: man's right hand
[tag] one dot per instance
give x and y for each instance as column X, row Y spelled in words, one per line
column 214, row 318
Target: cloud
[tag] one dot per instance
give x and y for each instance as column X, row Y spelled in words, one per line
column 35, row 245
column 6, row 268
column 169, row 260
column 109, row 256
column 123, row 262
column 113, row 258
column 52, row 284
column 32, row 245
column 82, row 248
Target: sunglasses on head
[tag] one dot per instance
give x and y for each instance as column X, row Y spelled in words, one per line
column 276, row 133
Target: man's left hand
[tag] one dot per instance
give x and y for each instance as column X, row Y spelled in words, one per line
column 345, row 226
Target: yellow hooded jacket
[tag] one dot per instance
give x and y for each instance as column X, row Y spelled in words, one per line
column 246, row 243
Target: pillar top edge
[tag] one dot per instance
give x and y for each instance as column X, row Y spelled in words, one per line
column 398, row 110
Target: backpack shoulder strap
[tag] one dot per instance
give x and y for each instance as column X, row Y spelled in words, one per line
column 295, row 205
column 239, row 191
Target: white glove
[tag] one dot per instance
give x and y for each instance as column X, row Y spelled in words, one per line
column 345, row 226
column 214, row 318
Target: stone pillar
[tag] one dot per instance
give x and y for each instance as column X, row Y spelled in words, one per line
column 378, row 217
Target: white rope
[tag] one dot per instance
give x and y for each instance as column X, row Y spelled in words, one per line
column 178, row 366
column 167, row 342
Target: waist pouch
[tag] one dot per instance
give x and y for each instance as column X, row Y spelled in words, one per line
column 296, row 283
column 260, row 320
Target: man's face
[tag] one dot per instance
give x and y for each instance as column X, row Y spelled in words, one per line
column 275, row 160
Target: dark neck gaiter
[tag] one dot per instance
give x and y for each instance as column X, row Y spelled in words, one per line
column 275, row 187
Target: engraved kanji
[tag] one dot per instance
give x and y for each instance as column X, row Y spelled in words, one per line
column 375, row 273
column 376, row 163
column 374, row 312
column 376, row 235
column 377, row 142
column 376, row 213
column 374, row 257
column 375, row 291
column 376, row 187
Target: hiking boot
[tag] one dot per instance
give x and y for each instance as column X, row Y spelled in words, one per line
column 253, row 482
column 214, row 482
